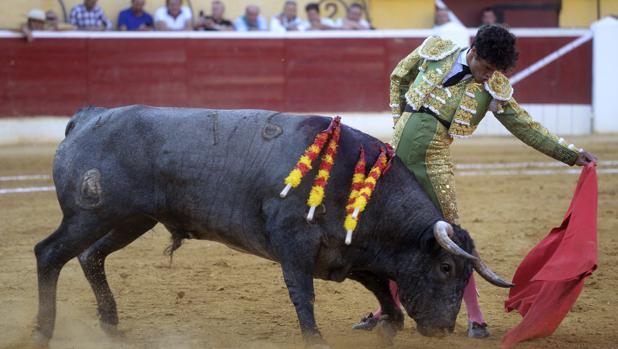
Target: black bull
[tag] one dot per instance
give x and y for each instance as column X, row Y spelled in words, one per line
column 216, row 175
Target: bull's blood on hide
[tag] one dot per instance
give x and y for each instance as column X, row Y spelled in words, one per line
column 304, row 164
column 316, row 195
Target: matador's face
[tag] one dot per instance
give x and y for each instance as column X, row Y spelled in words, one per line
column 481, row 69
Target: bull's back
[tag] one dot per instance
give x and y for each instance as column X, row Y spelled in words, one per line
column 202, row 171
column 215, row 170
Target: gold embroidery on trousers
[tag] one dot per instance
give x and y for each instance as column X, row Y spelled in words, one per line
column 441, row 173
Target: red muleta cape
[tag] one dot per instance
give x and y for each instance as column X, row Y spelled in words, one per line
column 551, row 277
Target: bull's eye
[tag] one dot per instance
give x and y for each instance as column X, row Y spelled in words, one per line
column 445, row 268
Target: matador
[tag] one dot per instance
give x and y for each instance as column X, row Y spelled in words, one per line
column 440, row 92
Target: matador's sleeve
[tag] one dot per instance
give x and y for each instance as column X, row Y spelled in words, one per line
column 520, row 124
column 404, row 73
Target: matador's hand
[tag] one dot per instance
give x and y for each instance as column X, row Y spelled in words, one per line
column 584, row 158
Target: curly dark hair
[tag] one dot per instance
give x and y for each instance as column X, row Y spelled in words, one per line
column 496, row 45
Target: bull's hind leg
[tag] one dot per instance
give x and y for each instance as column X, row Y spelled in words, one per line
column 92, row 261
column 73, row 236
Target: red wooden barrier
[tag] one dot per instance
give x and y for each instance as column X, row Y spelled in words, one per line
column 56, row 76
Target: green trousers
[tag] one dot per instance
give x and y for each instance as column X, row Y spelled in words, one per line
column 422, row 143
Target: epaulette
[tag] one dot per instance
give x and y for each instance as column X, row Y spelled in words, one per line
column 435, row 48
column 499, row 87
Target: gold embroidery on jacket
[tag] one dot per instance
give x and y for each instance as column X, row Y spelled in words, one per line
column 499, row 87
column 434, row 48
column 399, row 126
column 427, row 81
column 461, row 125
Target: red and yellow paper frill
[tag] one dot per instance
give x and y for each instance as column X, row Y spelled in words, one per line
column 362, row 186
column 358, row 179
column 360, row 199
column 305, row 163
column 316, row 196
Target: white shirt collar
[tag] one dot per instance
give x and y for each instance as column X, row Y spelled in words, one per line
column 462, row 57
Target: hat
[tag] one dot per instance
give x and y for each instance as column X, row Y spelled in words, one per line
column 37, row 14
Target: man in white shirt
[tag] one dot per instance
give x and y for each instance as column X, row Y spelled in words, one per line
column 446, row 28
column 173, row 16
column 354, row 19
column 286, row 20
column 314, row 21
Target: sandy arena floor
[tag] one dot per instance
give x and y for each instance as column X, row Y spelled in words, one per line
column 214, row 297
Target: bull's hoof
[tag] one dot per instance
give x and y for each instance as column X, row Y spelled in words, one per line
column 386, row 330
column 39, row 339
column 111, row 330
column 315, row 341
column 367, row 323
column 476, row 330
column 319, row 346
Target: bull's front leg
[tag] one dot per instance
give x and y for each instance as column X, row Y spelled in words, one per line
column 300, row 287
column 392, row 317
column 297, row 254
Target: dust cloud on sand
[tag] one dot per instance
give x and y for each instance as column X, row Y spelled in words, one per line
column 214, row 297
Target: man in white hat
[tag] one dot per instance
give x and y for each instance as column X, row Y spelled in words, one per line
column 35, row 21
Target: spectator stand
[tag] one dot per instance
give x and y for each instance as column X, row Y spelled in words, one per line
column 338, row 8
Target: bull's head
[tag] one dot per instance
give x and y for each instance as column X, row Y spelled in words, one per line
column 432, row 282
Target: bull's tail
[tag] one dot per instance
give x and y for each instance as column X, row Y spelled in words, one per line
column 178, row 236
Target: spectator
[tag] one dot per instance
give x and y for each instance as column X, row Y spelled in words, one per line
column 35, row 21
column 173, row 16
column 89, row 16
column 354, row 19
column 216, row 21
column 490, row 15
column 446, row 28
column 287, row 20
column 251, row 21
column 441, row 17
column 135, row 18
column 52, row 23
column 314, row 21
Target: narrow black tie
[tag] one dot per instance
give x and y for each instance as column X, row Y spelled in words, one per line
column 457, row 77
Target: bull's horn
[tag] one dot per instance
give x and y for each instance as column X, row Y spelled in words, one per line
column 488, row 274
column 441, row 232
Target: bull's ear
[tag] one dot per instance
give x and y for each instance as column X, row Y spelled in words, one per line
column 442, row 232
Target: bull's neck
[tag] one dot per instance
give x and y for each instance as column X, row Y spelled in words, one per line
column 401, row 211
column 399, row 216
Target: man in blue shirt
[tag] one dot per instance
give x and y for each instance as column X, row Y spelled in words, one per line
column 135, row 18
column 251, row 21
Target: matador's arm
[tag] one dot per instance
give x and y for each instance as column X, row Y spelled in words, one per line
column 402, row 75
column 520, row 124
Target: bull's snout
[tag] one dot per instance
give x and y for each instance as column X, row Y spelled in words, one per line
column 435, row 331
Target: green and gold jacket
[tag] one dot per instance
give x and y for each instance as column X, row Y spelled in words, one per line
column 417, row 81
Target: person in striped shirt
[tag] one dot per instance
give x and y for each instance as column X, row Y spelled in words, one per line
column 89, row 16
